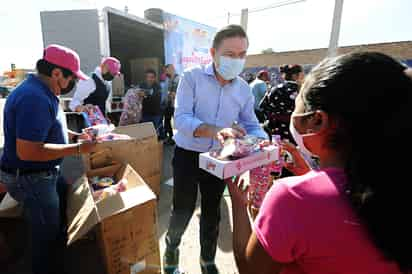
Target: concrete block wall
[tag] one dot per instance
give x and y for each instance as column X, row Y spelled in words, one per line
column 399, row 50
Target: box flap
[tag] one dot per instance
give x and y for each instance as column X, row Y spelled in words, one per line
column 142, row 154
column 81, row 211
column 133, row 178
column 125, row 200
column 10, row 208
column 137, row 193
column 138, row 131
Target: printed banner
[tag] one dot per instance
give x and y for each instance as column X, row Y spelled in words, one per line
column 187, row 43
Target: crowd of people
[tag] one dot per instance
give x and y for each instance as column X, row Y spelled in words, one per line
column 150, row 101
column 340, row 215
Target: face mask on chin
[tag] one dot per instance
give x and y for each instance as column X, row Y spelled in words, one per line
column 107, row 76
column 69, row 88
column 229, row 68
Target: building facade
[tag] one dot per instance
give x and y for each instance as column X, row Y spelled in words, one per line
column 400, row 50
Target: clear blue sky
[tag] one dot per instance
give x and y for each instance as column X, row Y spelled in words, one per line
column 300, row 26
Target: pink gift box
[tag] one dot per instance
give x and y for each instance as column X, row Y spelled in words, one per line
column 225, row 169
column 95, row 117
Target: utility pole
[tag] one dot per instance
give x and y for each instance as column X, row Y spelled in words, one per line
column 334, row 36
column 228, row 18
column 244, row 18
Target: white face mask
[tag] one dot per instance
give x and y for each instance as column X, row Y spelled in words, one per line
column 229, row 68
column 299, row 138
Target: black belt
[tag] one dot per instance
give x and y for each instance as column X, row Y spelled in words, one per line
column 189, row 152
column 24, row 171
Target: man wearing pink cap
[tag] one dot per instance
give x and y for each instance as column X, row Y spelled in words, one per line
column 96, row 90
column 36, row 141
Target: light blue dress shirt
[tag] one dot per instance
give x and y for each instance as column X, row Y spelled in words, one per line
column 200, row 98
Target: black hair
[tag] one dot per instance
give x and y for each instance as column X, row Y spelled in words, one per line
column 150, row 71
column 46, row 68
column 369, row 97
column 229, row 31
column 290, row 71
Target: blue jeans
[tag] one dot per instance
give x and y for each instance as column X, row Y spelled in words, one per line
column 43, row 198
column 155, row 119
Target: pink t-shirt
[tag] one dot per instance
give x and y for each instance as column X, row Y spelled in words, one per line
column 308, row 222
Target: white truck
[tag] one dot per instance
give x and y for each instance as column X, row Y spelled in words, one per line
column 139, row 43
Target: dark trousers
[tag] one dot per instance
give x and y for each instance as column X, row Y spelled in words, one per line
column 168, row 114
column 188, row 178
column 44, row 198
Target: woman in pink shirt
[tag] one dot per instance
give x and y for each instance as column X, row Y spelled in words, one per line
column 351, row 215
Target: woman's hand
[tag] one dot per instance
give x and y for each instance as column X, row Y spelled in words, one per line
column 298, row 166
column 238, row 192
column 230, row 132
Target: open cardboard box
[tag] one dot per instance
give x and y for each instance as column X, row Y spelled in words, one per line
column 225, row 169
column 143, row 152
column 125, row 223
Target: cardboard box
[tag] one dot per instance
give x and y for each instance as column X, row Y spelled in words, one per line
column 9, row 208
column 144, row 153
column 227, row 169
column 101, row 158
column 125, row 223
column 118, row 85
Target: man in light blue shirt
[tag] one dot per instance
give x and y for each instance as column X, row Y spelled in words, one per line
column 259, row 89
column 212, row 103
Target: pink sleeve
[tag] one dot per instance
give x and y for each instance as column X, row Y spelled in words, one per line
column 277, row 226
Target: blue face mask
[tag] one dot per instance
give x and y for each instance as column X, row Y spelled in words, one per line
column 230, row 68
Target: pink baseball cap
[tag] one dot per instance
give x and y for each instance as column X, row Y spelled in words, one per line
column 112, row 64
column 65, row 58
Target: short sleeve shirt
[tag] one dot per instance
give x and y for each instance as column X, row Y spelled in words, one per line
column 308, row 223
column 32, row 113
